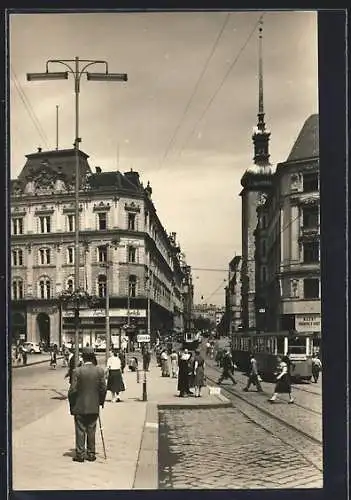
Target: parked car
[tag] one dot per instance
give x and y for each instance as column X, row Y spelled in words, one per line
column 32, row 348
column 100, row 347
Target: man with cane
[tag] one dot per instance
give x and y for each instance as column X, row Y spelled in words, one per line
column 86, row 394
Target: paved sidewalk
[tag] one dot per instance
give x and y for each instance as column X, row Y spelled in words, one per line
column 34, row 359
column 43, row 450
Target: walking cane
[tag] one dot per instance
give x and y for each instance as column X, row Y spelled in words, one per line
column 102, row 438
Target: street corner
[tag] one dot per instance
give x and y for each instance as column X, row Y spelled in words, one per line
column 211, row 398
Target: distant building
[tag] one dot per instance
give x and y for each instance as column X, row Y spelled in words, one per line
column 122, row 244
column 288, row 291
column 210, row 312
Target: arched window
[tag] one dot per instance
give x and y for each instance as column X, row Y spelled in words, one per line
column 17, row 289
column 44, row 288
column 70, row 284
column 132, row 285
column 102, row 285
column 17, row 257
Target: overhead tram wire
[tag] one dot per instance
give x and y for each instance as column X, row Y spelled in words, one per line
column 222, row 82
column 195, row 89
column 29, row 108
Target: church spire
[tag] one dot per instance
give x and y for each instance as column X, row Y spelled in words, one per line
column 261, row 135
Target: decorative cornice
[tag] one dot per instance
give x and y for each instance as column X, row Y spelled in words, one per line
column 132, row 207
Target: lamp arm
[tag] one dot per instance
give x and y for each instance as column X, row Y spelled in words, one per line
column 90, row 63
column 56, row 61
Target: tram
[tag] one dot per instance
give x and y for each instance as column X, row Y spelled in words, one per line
column 268, row 346
column 191, row 340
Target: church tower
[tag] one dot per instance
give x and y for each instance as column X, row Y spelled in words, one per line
column 256, row 182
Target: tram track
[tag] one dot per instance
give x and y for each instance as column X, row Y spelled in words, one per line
column 299, row 405
column 268, row 413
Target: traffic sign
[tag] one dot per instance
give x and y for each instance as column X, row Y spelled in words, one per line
column 143, row 338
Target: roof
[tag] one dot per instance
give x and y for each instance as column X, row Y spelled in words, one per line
column 57, row 161
column 116, row 180
column 307, row 143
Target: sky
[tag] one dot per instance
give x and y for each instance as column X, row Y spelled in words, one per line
column 183, row 120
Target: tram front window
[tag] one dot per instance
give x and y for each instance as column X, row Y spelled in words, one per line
column 297, row 346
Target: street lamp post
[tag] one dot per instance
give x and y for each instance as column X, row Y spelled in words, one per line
column 77, row 71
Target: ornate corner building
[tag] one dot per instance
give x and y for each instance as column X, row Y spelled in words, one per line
column 122, row 244
column 287, row 242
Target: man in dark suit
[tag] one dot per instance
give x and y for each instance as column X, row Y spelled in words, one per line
column 86, row 393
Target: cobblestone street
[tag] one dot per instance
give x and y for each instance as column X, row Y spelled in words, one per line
column 224, row 449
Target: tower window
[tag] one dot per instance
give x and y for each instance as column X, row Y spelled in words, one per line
column 311, row 252
column 310, row 182
column 310, row 217
column 311, row 288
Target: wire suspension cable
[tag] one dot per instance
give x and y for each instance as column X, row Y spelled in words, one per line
column 29, row 108
column 195, row 88
column 221, row 84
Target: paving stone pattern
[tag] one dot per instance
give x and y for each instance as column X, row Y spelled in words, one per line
column 300, row 417
column 224, row 449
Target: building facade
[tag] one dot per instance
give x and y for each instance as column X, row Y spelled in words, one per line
column 288, row 290
column 233, row 299
column 123, row 249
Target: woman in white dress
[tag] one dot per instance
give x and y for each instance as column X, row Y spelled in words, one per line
column 115, row 382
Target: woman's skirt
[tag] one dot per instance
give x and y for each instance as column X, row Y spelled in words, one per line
column 283, row 385
column 115, row 381
column 199, row 379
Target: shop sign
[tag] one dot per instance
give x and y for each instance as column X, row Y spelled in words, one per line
column 100, row 313
column 143, row 338
column 308, row 323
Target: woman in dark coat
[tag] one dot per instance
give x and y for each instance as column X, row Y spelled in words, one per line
column 283, row 384
column 183, row 374
column 199, row 373
column 115, row 382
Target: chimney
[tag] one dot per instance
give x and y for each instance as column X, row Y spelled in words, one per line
column 98, row 170
column 39, row 149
